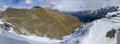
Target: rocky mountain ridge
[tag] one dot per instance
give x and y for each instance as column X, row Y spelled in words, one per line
column 41, row 22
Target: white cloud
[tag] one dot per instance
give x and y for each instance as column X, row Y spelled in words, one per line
column 78, row 5
column 49, row 4
column 95, row 4
column 28, row 1
column 70, row 5
column 4, row 6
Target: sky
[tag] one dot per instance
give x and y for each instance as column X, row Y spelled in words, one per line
column 62, row 5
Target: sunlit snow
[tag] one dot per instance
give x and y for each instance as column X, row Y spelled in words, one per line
column 10, row 37
column 95, row 32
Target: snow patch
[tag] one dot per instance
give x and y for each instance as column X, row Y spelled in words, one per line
column 11, row 37
column 95, row 32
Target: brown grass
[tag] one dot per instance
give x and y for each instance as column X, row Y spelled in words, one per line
column 41, row 22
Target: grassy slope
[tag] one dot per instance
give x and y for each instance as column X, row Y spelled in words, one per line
column 41, row 22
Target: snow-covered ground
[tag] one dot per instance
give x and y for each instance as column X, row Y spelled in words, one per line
column 8, row 36
column 118, row 37
column 91, row 33
column 95, row 32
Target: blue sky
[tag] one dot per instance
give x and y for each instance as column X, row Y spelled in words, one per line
column 62, row 5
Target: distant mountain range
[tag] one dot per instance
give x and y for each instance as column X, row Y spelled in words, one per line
column 91, row 15
column 101, row 31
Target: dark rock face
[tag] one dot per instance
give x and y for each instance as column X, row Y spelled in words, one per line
column 111, row 33
column 118, row 37
column 91, row 15
column 41, row 22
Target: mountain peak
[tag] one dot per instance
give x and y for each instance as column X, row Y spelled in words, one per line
column 37, row 7
column 41, row 22
column 101, row 31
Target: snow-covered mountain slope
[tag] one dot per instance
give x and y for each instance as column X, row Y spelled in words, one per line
column 102, row 31
column 8, row 36
column 91, row 15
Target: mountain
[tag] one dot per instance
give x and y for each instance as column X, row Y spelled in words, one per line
column 40, row 22
column 91, row 15
column 102, row 31
column 9, row 36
